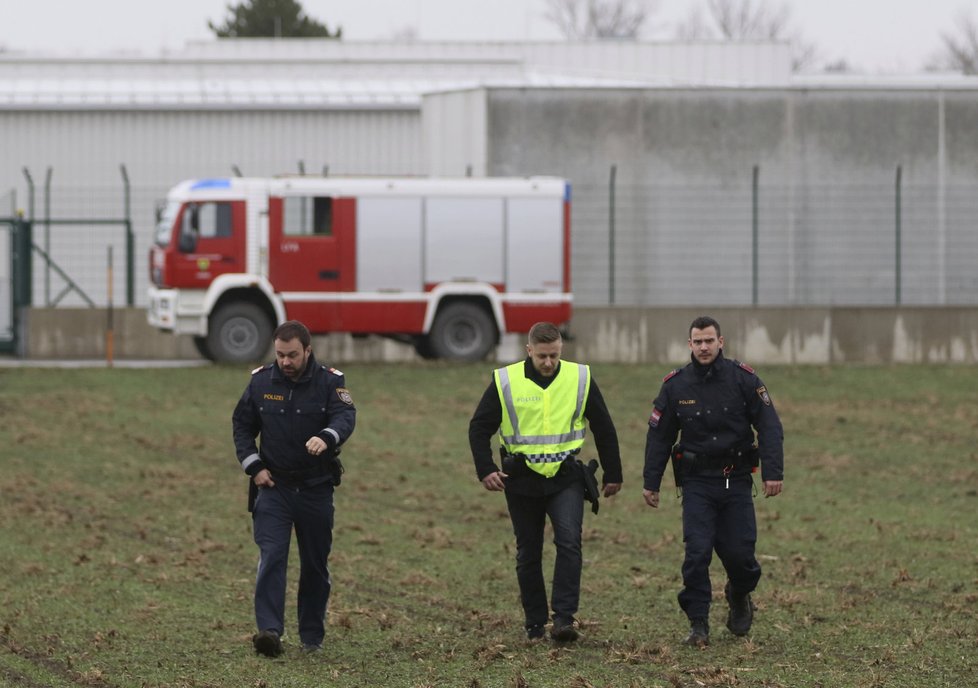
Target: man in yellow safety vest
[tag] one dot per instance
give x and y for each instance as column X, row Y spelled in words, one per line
column 539, row 406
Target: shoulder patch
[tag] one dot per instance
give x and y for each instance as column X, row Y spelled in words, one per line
column 260, row 368
column 671, row 375
column 744, row 366
column 334, row 371
column 655, row 417
column 765, row 397
column 344, row 394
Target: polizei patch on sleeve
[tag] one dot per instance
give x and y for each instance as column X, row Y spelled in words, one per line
column 765, row 397
column 344, row 394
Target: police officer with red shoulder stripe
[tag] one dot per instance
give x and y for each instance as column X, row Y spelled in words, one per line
column 304, row 413
column 714, row 406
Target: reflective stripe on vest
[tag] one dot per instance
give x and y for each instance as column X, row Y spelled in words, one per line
column 544, row 426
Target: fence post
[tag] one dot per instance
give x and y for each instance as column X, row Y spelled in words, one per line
column 30, row 194
column 109, row 325
column 611, row 235
column 130, row 241
column 898, row 265
column 755, row 239
column 47, row 233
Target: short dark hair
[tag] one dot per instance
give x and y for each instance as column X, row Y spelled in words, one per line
column 702, row 322
column 293, row 329
column 544, row 333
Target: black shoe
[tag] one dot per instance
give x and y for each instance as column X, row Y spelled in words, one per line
column 534, row 632
column 699, row 633
column 563, row 630
column 741, row 614
column 267, row 643
column 311, row 648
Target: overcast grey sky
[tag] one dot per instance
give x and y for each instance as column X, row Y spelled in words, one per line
column 873, row 35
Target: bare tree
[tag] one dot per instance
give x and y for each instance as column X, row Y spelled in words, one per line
column 605, row 19
column 746, row 20
column 960, row 51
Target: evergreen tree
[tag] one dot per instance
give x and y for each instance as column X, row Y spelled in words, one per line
column 271, row 19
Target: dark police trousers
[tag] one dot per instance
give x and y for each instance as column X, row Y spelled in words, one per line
column 719, row 518
column 566, row 512
column 277, row 510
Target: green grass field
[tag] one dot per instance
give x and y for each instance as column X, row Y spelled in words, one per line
column 128, row 560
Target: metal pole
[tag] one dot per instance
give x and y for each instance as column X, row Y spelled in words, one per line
column 30, row 194
column 27, row 256
column 130, row 240
column 109, row 331
column 755, row 239
column 898, row 261
column 47, row 234
column 611, row 235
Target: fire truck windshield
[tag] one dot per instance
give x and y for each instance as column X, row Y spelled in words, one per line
column 164, row 228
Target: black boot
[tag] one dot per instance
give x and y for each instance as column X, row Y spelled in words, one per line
column 563, row 630
column 267, row 643
column 741, row 614
column 699, row 633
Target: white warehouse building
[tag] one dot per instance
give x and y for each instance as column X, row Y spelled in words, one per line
column 789, row 190
column 75, row 130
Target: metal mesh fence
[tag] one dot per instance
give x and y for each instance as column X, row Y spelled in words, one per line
column 633, row 245
column 824, row 244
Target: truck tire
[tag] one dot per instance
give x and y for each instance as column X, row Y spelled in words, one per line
column 200, row 343
column 422, row 346
column 462, row 332
column 239, row 333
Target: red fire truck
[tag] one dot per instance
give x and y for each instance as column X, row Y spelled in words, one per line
column 445, row 264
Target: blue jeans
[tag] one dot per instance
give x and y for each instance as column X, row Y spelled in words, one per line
column 528, row 514
column 720, row 518
column 310, row 512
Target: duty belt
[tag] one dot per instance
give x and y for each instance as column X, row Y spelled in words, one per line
column 735, row 458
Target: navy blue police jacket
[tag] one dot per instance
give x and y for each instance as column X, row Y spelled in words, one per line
column 713, row 410
column 286, row 415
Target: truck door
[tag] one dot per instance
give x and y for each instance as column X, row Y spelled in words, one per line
column 210, row 241
column 311, row 256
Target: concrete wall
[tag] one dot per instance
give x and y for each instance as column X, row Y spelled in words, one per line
column 827, row 160
column 621, row 335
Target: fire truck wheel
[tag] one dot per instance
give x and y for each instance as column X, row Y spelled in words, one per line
column 462, row 332
column 239, row 333
column 200, row 343
column 422, row 345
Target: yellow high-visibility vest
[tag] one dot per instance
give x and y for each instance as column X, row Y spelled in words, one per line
column 543, row 426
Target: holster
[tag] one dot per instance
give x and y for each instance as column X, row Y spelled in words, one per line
column 252, row 494
column 678, row 466
column 589, row 478
column 335, row 467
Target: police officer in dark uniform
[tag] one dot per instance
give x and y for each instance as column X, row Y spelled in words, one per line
column 715, row 405
column 304, row 413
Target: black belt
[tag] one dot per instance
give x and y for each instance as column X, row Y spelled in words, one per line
column 739, row 458
column 297, row 476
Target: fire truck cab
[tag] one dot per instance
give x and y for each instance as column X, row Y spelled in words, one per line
column 446, row 264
